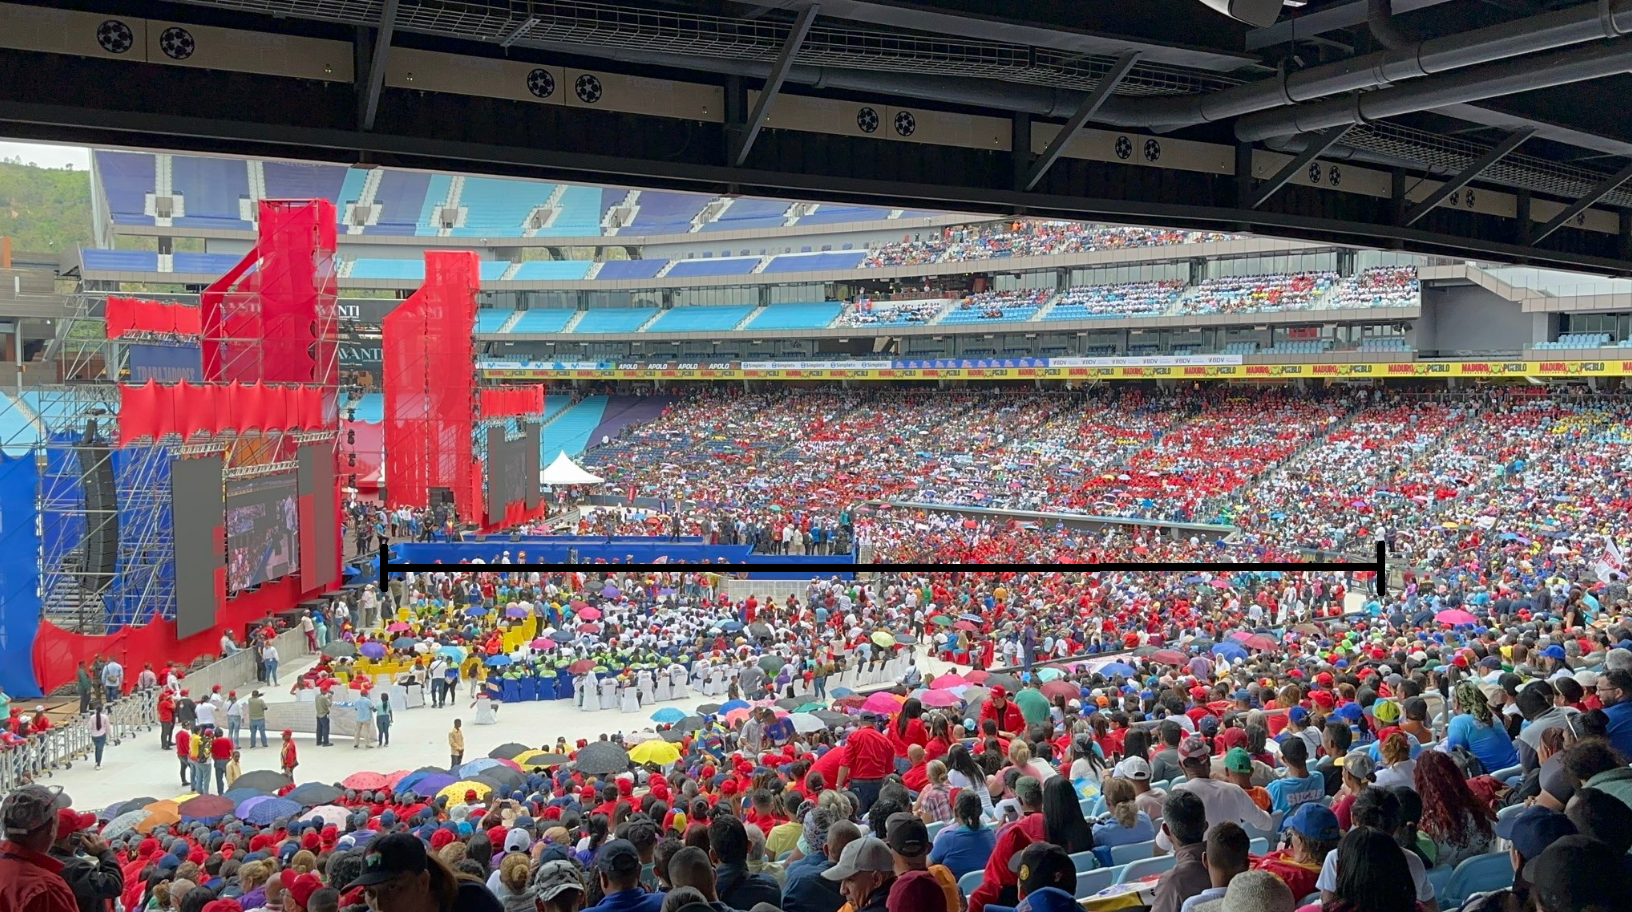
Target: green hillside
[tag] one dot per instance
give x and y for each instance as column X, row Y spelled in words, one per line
column 44, row 210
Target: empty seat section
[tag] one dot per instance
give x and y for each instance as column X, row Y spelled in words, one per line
column 811, row 262
column 210, row 189
column 399, row 196
column 430, row 211
column 580, row 214
column 749, row 213
column 614, row 320
column 489, row 320
column 412, row 270
column 570, row 433
column 552, row 271
column 797, row 316
column 719, row 267
column 127, row 179
column 666, row 213
column 543, row 321
column 631, row 269
column 210, row 264
column 120, row 260
column 499, row 208
column 493, row 270
column 700, row 319
column 288, row 180
column 351, row 190
column 827, row 214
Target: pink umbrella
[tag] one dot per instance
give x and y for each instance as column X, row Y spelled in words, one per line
column 398, row 627
column 544, row 643
column 1260, row 642
column 1220, row 584
column 1455, row 617
column 941, row 699
column 590, row 614
column 978, row 677
column 736, row 715
column 882, row 703
column 949, row 681
column 391, row 779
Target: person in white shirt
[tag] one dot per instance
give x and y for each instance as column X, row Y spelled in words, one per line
column 1224, row 801
column 205, row 714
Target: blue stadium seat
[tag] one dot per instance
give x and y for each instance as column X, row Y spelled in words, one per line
column 749, row 213
column 489, row 320
column 1091, row 882
column 829, row 214
column 1126, row 854
column 614, row 320
column 120, row 260
column 400, row 196
column 210, row 264
column 580, row 214
column 127, row 179
column 1084, row 862
column 630, row 269
column 495, row 207
column 211, row 189
column 1145, row 867
column 663, row 212
column 1479, row 874
column 290, row 180
column 570, row 433
column 797, row 316
column 968, row 882
column 552, row 271
column 402, row 270
column 812, row 262
column 543, row 321
column 493, row 270
column 713, row 267
column 700, row 318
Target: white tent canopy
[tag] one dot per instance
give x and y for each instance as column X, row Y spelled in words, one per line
column 563, row 471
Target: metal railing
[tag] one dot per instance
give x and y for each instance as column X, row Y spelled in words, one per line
column 44, row 754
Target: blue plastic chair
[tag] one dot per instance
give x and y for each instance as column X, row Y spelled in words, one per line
column 1144, row 867
column 1438, row 877
column 1133, row 851
column 1478, row 874
column 968, row 882
column 1093, row 881
column 1084, row 862
column 934, row 829
column 1259, row 846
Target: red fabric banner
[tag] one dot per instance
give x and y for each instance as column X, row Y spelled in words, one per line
column 153, row 410
column 508, row 402
column 132, row 315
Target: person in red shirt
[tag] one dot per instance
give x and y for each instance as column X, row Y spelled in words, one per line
column 221, row 749
column 869, row 757
column 184, row 739
column 287, row 757
column 29, row 877
column 908, row 727
column 1000, row 886
column 1000, row 709
column 42, row 722
column 167, row 719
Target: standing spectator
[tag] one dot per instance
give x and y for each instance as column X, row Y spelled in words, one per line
column 99, row 728
column 1184, row 823
column 456, row 745
column 382, row 720
column 85, row 687
column 868, row 758
column 323, row 705
column 29, row 877
column 113, row 679
column 255, row 711
column 221, row 752
column 308, row 626
column 364, row 707
column 269, row 661
column 288, row 758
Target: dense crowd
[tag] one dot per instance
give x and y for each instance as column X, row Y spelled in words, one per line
column 1000, row 240
column 1250, row 294
column 1382, row 286
column 1116, row 300
column 1247, row 745
column 867, row 312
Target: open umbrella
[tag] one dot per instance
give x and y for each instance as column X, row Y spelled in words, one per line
column 398, row 627
column 940, row 699
column 736, row 715
column 340, row 649
column 1260, row 642
column 125, row 824
column 365, row 781
column 499, row 661
column 1230, row 650
column 976, row 677
column 563, row 636
column 949, row 681
column 240, row 795
column 731, row 626
column 672, row 736
column 1064, row 689
column 502, row 778
column 789, row 703
column 543, row 644
column 1007, row 682
column 1456, row 617
column 425, row 783
column 206, row 808
column 883, row 638
column 515, row 611
column 659, row 752
column 313, row 794
column 831, row 719
column 602, row 758
column 1118, row 668
column 809, row 707
column 805, row 723
column 1049, row 674
column 134, row 804
column 265, row 781
column 882, row 703
column 734, row 704
column 508, row 751
column 690, row 724
column 760, row 630
column 841, row 692
column 590, row 614
column 668, row 715
column 374, row 649
column 331, row 815
column 772, row 664
column 455, row 791
column 477, row 611
column 479, row 766
column 709, row 709
column 452, row 652
column 263, row 813
column 540, row 759
column 1168, row 657
column 582, row 666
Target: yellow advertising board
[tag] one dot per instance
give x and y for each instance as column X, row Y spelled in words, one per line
column 1379, row 371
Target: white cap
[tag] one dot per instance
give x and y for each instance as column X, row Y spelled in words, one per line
column 1134, row 768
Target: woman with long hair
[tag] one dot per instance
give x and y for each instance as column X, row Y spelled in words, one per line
column 962, row 773
column 940, row 738
column 966, row 845
column 908, row 728
column 1123, row 823
column 1452, row 816
column 1372, row 875
column 1063, row 823
column 1086, row 760
column 1476, row 729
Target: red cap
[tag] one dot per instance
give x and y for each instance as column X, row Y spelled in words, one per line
column 470, row 795
column 70, row 822
column 302, row 888
column 439, row 839
column 1000, row 691
column 1324, row 679
column 309, row 841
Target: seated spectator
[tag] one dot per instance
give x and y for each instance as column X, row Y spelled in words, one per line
column 965, row 845
column 1475, row 728
column 1578, row 874
column 1601, row 816
column 1456, row 820
column 1123, row 822
column 1184, row 823
column 1047, row 879
column 1297, row 785
column 1225, row 855
column 1378, row 810
column 1252, row 891
column 1372, row 875
column 1311, row 835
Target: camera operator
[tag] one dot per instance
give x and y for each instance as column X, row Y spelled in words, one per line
column 88, row 864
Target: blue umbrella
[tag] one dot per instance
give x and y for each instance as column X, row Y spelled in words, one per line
column 734, row 704
column 452, row 652
column 376, row 650
column 239, row 796
column 425, row 783
column 1230, row 650
column 842, row 692
column 263, row 813
column 515, row 611
column 731, row 626
column 476, row 767
column 498, row 661
column 1118, row 668
column 668, row 715
column 476, row 611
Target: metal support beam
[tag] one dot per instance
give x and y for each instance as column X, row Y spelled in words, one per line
column 376, row 66
column 773, row 82
column 1604, row 188
column 1090, row 106
column 1315, row 145
column 1496, row 154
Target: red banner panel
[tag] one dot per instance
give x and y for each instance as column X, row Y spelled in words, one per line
column 152, row 410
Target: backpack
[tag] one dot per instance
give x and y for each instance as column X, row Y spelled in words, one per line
column 1470, row 765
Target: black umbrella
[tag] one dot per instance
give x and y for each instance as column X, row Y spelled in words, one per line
column 673, row 736
column 790, row 704
column 313, row 794
column 546, row 761
column 125, row 807
column 709, row 709
column 601, row 758
column 760, row 630
column 563, row 636
column 1201, row 642
column 690, row 724
column 832, row 719
column 262, row 781
column 508, row 777
column 1009, row 683
column 340, row 649
column 508, row 751
column 1143, row 651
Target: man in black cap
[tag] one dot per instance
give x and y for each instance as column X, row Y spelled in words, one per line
column 398, row 877
column 618, row 865
column 908, row 839
column 1578, row 874
column 1047, row 879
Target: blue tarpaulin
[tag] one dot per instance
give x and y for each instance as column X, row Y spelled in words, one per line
column 19, row 575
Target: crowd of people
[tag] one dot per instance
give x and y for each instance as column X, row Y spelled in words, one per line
column 1115, row 300
column 1243, row 738
column 1382, row 286
column 1026, row 237
column 868, row 312
column 1250, row 294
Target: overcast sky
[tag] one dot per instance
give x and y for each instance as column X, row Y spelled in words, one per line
column 48, row 156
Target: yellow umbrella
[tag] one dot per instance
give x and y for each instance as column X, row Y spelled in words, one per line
column 456, row 792
column 655, row 751
column 884, row 638
column 163, row 813
column 530, row 759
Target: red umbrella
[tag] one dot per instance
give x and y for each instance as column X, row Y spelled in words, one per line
column 1061, row 689
column 1168, row 657
column 965, row 625
column 590, row 614
column 368, row 781
column 581, row 666
column 589, row 628
column 977, row 677
column 1259, row 641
